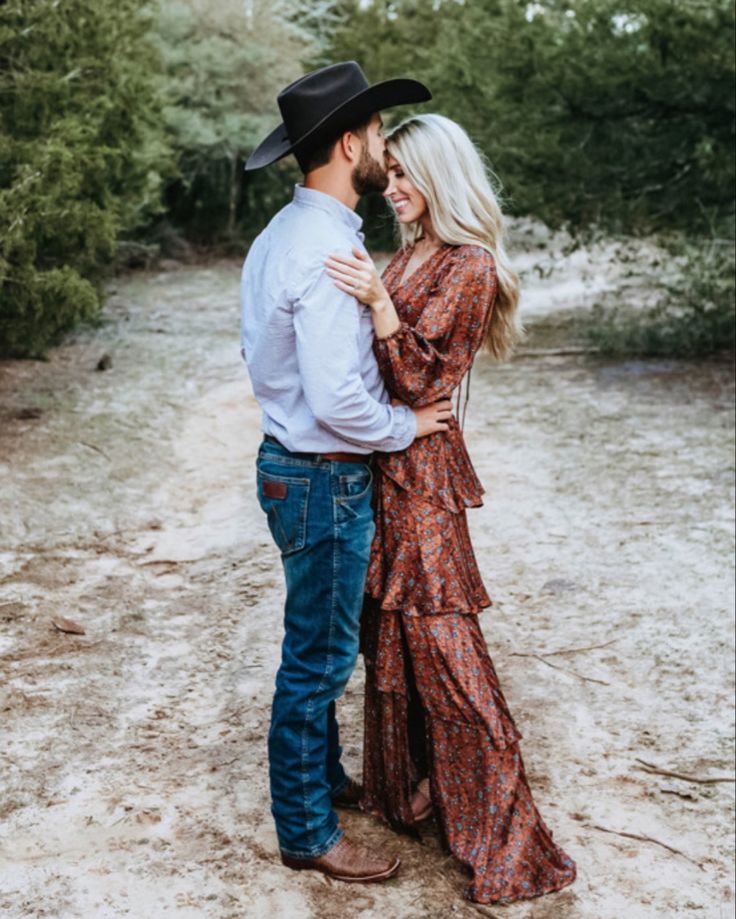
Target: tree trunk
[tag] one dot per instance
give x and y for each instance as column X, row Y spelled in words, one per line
column 234, row 191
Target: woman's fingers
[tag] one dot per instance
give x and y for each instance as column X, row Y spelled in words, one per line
column 345, row 270
column 356, row 276
column 342, row 275
column 347, row 279
column 348, row 288
column 343, row 260
column 348, row 285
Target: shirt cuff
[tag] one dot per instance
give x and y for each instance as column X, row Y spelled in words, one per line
column 405, row 427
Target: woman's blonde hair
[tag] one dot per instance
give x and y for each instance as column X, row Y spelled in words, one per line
column 442, row 162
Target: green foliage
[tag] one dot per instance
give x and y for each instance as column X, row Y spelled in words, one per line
column 616, row 115
column 613, row 112
column 694, row 317
column 610, row 113
column 80, row 157
column 225, row 64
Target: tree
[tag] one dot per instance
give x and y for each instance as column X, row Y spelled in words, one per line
column 613, row 112
column 80, row 157
column 225, row 64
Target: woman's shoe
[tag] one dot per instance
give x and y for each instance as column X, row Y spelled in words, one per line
column 421, row 802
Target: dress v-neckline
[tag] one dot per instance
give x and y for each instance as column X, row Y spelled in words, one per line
column 405, row 280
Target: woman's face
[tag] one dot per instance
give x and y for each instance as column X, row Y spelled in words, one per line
column 408, row 202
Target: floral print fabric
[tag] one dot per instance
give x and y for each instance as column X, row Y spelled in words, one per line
column 444, row 310
column 433, row 702
column 434, row 706
column 422, row 560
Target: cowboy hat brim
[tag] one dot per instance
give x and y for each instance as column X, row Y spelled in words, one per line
column 373, row 99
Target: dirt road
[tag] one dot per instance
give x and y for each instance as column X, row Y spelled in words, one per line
column 133, row 763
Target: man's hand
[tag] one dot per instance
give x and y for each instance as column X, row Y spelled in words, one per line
column 433, row 418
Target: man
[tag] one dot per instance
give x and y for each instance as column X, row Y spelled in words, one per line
column 325, row 410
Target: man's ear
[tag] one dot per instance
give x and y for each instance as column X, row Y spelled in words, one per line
column 350, row 146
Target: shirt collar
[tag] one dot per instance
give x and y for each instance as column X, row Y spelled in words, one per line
column 310, row 197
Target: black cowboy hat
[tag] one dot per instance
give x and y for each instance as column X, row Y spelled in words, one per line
column 326, row 101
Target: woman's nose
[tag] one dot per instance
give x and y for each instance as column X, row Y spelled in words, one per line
column 391, row 187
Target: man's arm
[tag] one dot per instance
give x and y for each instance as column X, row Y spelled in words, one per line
column 327, row 327
column 326, row 322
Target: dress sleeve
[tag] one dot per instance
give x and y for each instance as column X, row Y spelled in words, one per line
column 425, row 363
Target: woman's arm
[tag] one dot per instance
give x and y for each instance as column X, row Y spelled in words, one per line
column 422, row 364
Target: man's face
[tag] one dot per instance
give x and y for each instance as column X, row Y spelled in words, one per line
column 369, row 173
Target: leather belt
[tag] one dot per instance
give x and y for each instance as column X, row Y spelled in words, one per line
column 332, row 457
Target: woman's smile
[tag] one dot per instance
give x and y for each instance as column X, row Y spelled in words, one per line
column 407, row 201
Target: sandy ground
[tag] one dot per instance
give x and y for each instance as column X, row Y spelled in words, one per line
column 133, row 763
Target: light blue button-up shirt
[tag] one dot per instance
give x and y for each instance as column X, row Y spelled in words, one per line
column 308, row 345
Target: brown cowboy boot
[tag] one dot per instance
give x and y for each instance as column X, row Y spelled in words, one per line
column 347, row 861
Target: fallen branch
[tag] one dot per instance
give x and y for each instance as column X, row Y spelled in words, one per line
column 588, row 679
column 685, row 795
column 605, row 644
column 566, row 650
column 554, row 352
column 228, row 762
column 94, row 447
column 656, row 842
column 655, row 770
column 484, row 910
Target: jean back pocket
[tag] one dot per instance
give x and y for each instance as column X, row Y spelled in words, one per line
column 285, row 501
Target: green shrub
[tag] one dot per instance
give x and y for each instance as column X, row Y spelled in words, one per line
column 694, row 317
column 80, row 157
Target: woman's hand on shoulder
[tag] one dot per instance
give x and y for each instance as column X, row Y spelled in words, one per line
column 358, row 277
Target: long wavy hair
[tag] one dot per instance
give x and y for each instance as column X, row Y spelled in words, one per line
column 441, row 161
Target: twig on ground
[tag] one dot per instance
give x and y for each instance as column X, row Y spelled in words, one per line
column 588, row 679
column 554, row 352
column 94, row 447
column 685, row 795
column 650, row 839
column 564, row 650
column 605, row 644
column 484, row 910
column 655, row 770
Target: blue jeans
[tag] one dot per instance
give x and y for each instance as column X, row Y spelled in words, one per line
column 320, row 516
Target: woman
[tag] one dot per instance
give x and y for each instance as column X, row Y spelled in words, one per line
column 439, row 738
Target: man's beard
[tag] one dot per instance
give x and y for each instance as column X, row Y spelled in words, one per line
column 368, row 174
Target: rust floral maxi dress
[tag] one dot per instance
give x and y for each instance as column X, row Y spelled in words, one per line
column 433, row 703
